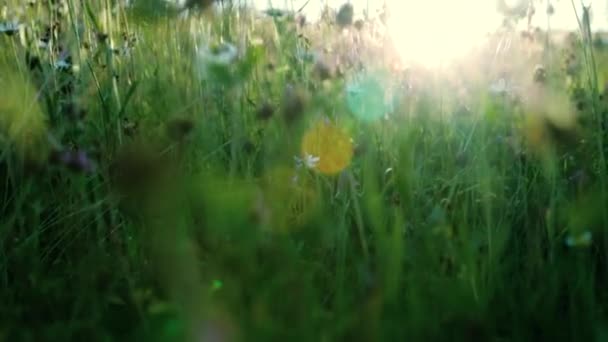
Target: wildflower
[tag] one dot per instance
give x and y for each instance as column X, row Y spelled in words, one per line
column 10, row 28
column 64, row 63
column 213, row 60
column 128, row 42
column 309, row 161
column 43, row 43
column 223, row 54
column 359, row 24
column 540, row 74
column 75, row 160
column 582, row 239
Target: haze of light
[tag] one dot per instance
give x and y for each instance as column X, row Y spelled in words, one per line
column 432, row 32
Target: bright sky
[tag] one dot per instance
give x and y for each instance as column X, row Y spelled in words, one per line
column 479, row 12
column 436, row 31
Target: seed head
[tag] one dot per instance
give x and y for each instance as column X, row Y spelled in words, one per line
column 322, row 70
column 265, row 111
column 345, row 15
column 102, row 37
column 359, row 24
column 301, row 19
column 540, row 74
column 294, row 103
column 179, row 128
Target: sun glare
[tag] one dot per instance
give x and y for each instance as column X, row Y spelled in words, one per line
column 435, row 32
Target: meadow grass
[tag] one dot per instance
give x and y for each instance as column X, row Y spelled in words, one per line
column 155, row 187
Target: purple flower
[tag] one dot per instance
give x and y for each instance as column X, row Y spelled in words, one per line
column 76, row 160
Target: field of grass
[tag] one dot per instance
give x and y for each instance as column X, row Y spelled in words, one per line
column 233, row 176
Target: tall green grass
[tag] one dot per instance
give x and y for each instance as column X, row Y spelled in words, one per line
column 147, row 196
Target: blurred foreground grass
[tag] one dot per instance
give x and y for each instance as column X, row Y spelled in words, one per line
column 226, row 176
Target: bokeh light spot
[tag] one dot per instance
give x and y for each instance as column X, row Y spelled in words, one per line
column 330, row 144
column 580, row 239
column 366, row 97
column 217, row 285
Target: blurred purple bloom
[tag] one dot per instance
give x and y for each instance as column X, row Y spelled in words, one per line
column 76, row 160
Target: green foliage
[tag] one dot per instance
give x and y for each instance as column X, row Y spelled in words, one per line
column 144, row 197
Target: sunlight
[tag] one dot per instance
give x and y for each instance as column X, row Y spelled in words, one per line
column 435, row 32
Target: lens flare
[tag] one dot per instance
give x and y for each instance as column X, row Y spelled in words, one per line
column 436, row 32
column 330, row 144
column 368, row 97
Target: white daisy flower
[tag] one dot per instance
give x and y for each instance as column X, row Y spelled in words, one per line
column 42, row 45
column 210, row 57
column 222, row 54
column 10, row 27
column 309, row 161
column 62, row 65
column 64, row 62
